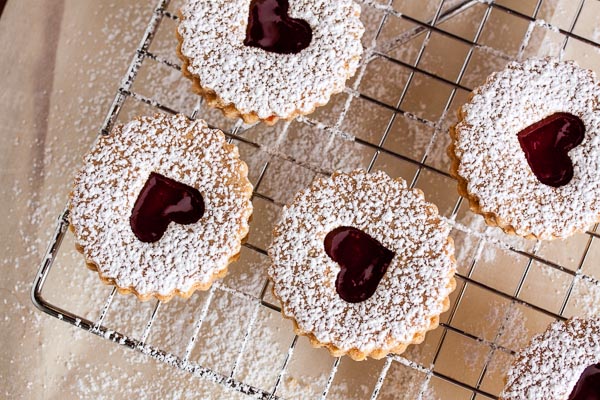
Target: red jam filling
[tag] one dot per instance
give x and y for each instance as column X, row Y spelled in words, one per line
column 363, row 262
column 588, row 386
column 547, row 144
column 271, row 28
column 162, row 201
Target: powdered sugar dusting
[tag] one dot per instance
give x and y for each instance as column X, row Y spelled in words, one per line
column 269, row 84
column 552, row 364
column 112, row 177
column 412, row 292
column 495, row 168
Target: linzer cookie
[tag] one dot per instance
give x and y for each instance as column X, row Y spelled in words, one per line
column 269, row 59
column 362, row 265
column 161, row 207
column 561, row 364
column 526, row 149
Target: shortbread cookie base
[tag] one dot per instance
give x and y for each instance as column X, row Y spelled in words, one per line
column 491, row 219
column 540, row 232
column 553, row 361
column 230, row 110
column 154, row 295
column 239, row 238
column 392, row 347
column 376, row 354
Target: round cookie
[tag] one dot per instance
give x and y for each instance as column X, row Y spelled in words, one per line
column 161, row 206
column 269, row 59
column 393, row 270
column 563, row 363
column 526, row 149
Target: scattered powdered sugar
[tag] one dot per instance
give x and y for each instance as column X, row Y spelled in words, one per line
column 480, row 243
column 514, row 327
column 554, row 361
column 270, row 84
column 111, row 179
column 585, row 298
column 404, row 383
column 497, row 172
column 412, row 292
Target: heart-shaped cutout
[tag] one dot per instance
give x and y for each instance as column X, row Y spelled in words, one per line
column 362, row 259
column 162, row 201
column 271, row 28
column 588, row 386
column 547, row 144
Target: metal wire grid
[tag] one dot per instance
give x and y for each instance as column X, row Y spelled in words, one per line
column 443, row 12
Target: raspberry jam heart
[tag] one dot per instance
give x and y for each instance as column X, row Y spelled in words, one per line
column 162, row 201
column 588, row 386
column 362, row 259
column 547, row 144
column 271, row 28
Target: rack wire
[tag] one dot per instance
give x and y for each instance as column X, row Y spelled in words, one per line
column 445, row 10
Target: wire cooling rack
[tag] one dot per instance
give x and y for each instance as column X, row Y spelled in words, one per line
column 383, row 47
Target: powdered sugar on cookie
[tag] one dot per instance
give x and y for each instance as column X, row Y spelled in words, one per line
column 554, row 361
column 187, row 257
column 495, row 170
column 413, row 292
column 267, row 84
